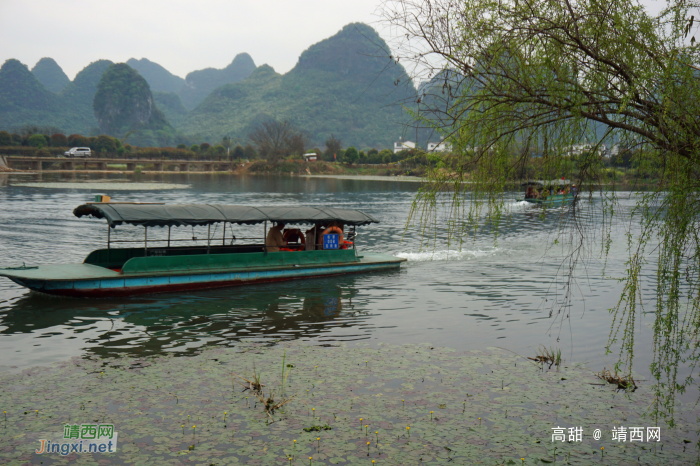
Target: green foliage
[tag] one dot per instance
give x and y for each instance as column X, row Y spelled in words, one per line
column 199, row 84
column 238, row 153
column 217, row 150
column 344, row 85
column 5, row 138
column 105, row 143
column 351, row 156
column 181, row 146
column 48, row 73
column 23, row 99
column 124, row 103
column 171, row 106
column 195, row 148
column 159, row 79
column 204, row 146
column 38, row 140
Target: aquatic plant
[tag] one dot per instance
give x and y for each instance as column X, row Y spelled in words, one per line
column 622, row 382
column 548, row 356
column 535, row 401
column 253, row 385
column 316, row 428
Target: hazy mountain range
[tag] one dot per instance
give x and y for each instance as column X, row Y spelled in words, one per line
column 346, row 85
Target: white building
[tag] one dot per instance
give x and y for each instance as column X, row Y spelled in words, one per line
column 310, row 157
column 441, row 146
column 403, row 145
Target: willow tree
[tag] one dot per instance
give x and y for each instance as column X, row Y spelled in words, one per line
column 507, row 79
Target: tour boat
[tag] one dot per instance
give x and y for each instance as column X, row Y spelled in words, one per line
column 166, row 268
column 550, row 193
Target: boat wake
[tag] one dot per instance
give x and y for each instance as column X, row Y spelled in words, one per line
column 519, row 205
column 447, row 255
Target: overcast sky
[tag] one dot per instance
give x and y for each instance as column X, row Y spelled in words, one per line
column 181, row 35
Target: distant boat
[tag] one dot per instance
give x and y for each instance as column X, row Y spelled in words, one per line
column 550, row 193
column 129, row 271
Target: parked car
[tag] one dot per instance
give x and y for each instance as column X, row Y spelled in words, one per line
column 78, row 152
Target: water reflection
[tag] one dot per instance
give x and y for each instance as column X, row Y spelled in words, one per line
column 182, row 323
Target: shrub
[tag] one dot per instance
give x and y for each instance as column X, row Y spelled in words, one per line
column 217, row 150
column 37, row 140
column 260, row 166
column 204, row 146
column 76, row 140
column 181, row 146
column 194, row 148
column 104, row 144
column 5, row 138
column 238, row 153
column 386, row 158
column 58, row 140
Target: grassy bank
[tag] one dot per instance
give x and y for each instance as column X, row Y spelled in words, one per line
column 348, row 405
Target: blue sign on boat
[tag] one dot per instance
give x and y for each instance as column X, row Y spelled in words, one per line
column 330, row 241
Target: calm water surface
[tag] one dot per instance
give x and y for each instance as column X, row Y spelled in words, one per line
column 487, row 294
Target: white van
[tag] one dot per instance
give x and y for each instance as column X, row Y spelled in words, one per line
column 78, row 152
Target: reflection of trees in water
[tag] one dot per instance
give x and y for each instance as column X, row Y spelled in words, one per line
column 184, row 323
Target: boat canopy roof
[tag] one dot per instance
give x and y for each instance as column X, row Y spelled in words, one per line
column 152, row 215
column 547, row 183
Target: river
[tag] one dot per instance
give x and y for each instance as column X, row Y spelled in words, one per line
column 488, row 294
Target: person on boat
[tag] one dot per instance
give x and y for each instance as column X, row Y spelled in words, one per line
column 274, row 239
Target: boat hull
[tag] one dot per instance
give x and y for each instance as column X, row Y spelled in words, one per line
column 122, row 286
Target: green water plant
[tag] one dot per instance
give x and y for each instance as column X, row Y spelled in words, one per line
column 549, row 356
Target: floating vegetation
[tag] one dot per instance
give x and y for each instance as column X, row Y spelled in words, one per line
column 317, row 428
column 548, row 356
column 622, row 382
column 212, row 422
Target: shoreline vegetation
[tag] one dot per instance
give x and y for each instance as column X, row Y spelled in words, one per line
column 343, row 404
column 622, row 179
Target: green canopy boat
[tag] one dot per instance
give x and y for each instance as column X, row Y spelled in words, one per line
column 162, row 266
column 550, row 193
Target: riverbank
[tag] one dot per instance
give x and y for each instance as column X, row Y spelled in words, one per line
column 414, row 404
